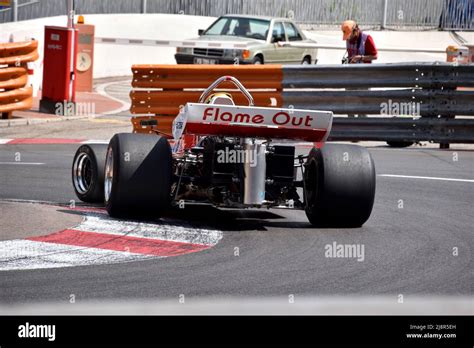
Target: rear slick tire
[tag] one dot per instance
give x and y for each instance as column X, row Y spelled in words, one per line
column 137, row 176
column 339, row 185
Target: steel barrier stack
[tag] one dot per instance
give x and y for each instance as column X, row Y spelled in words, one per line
column 15, row 94
column 406, row 102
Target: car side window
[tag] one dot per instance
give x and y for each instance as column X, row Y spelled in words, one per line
column 278, row 32
column 292, row 32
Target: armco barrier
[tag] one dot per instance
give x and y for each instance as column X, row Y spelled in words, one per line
column 444, row 130
column 417, row 75
column 14, row 93
column 422, row 102
column 429, row 90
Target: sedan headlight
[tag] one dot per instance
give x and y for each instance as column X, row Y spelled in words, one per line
column 231, row 53
column 185, row 50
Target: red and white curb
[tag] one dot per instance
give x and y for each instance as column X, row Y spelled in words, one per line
column 49, row 141
column 99, row 239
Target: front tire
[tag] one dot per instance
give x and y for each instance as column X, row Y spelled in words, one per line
column 137, row 175
column 257, row 60
column 339, row 186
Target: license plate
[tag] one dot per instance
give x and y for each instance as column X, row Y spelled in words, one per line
column 204, row 61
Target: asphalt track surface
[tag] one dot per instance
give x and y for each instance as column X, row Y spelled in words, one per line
column 408, row 240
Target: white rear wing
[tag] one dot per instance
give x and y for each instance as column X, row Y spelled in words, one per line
column 252, row 121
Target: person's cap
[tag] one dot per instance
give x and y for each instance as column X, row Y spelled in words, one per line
column 347, row 27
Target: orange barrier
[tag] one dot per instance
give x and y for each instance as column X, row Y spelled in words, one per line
column 11, row 78
column 16, row 53
column 169, row 102
column 17, row 99
column 201, row 76
column 164, row 88
column 14, row 77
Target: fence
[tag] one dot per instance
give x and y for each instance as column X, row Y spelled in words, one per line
column 396, row 14
column 424, row 96
column 14, row 93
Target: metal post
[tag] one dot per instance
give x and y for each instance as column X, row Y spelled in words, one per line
column 14, row 10
column 384, row 14
column 144, row 6
column 71, row 9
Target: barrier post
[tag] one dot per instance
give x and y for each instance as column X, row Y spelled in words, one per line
column 384, row 13
column 14, row 5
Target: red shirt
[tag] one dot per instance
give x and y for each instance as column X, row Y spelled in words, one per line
column 370, row 49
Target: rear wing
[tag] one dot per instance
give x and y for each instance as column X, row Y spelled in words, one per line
column 252, row 121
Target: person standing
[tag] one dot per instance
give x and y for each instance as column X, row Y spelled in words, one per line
column 360, row 46
column 360, row 49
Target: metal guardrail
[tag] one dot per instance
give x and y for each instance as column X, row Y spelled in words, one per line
column 426, row 75
column 414, row 102
column 437, row 130
column 428, row 91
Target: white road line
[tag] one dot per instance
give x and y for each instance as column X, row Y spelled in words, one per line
column 5, row 141
column 24, row 163
column 424, row 177
column 94, row 141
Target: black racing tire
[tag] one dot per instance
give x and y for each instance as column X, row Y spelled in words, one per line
column 257, row 60
column 400, row 144
column 88, row 172
column 339, row 185
column 137, row 175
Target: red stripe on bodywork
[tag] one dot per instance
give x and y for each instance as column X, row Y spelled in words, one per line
column 145, row 246
column 313, row 135
column 45, row 141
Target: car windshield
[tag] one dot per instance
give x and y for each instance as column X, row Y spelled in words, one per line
column 243, row 27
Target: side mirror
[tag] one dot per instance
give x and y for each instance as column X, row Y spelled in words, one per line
column 200, row 32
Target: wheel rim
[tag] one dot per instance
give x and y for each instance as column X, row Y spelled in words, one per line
column 109, row 174
column 305, row 62
column 82, row 173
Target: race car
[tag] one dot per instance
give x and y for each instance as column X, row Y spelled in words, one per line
column 230, row 156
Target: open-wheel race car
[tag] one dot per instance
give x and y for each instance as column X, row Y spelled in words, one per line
column 234, row 157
